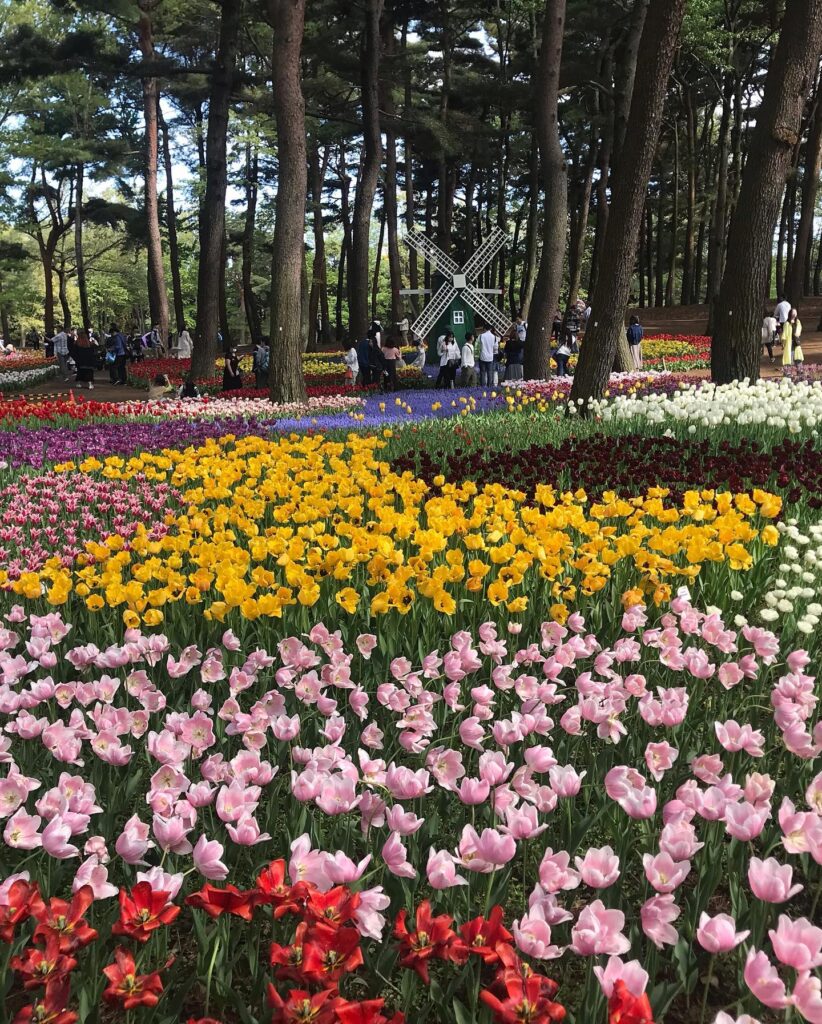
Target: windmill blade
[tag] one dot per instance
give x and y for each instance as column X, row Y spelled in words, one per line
column 486, row 310
column 426, row 248
column 486, row 252
column 434, row 310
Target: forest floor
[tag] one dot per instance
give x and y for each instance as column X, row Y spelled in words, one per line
column 662, row 320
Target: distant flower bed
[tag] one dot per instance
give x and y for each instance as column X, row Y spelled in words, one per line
column 676, row 352
column 19, row 372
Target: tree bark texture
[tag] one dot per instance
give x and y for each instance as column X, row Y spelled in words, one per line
column 358, row 280
column 606, row 329
column 736, row 339
column 286, row 381
column 555, row 189
column 212, row 214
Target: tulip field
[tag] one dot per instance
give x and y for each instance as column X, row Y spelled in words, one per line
column 442, row 707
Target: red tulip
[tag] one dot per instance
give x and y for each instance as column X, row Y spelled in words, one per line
column 229, row 900
column 143, row 911
column 51, row 1009
column 65, row 920
column 126, row 986
column 626, row 1008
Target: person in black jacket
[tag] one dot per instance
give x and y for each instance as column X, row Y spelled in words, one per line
column 85, row 359
column 232, row 377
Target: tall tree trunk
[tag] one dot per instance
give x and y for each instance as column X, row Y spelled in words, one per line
column 345, row 264
column 408, row 171
column 60, row 269
column 649, row 249
column 669, row 287
column 319, row 287
column 797, row 286
column 225, row 326
column 171, row 225
column 817, row 270
column 369, row 171
column 212, row 213
column 47, row 260
column 717, row 239
column 285, row 368
column 529, row 273
column 626, row 75
column 79, row 255
column 390, row 189
column 659, row 268
column 606, row 334
column 690, row 204
column 375, row 280
column 305, row 304
column 736, row 340
column 555, row 185
column 340, row 296
column 157, row 296
column 576, row 253
column 780, row 247
column 4, row 322
column 251, row 183
column 604, row 166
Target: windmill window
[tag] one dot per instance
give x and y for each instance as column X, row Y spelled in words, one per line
column 459, row 317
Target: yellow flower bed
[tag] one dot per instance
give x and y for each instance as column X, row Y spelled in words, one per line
column 305, row 521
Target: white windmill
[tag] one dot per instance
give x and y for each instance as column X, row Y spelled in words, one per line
column 460, row 282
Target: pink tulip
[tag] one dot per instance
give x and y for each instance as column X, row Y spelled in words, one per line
column 207, row 856
column 396, row 859
column 599, row 868
column 21, row 832
column 664, row 873
column 660, row 757
column 631, row 973
column 565, row 781
column 133, row 842
column 55, row 839
column 368, row 916
column 171, row 833
column 487, row 852
column 404, row 823
column 771, row 881
column 555, row 873
column 745, row 822
column 807, row 997
column 473, row 791
column 797, row 944
column 657, row 915
column 441, row 870
column 678, row 839
column 366, row 643
column 532, row 935
column 307, row 865
column 718, row 934
column 162, row 881
column 342, row 870
column 599, row 930
column 724, row 1018
column 94, row 874
column 762, row 979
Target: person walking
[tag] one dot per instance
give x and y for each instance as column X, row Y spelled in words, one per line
column 781, row 313
column 117, row 355
column 468, row 361
column 454, row 358
column 514, row 356
column 364, row 361
column 184, row 346
column 61, row 350
column 377, row 362
column 562, row 353
column 262, row 357
column 418, row 362
column 792, row 354
column 232, row 377
column 488, row 349
column 768, row 333
column 85, row 358
column 442, row 352
column 352, row 366
column 635, row 335
column 393, row 358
